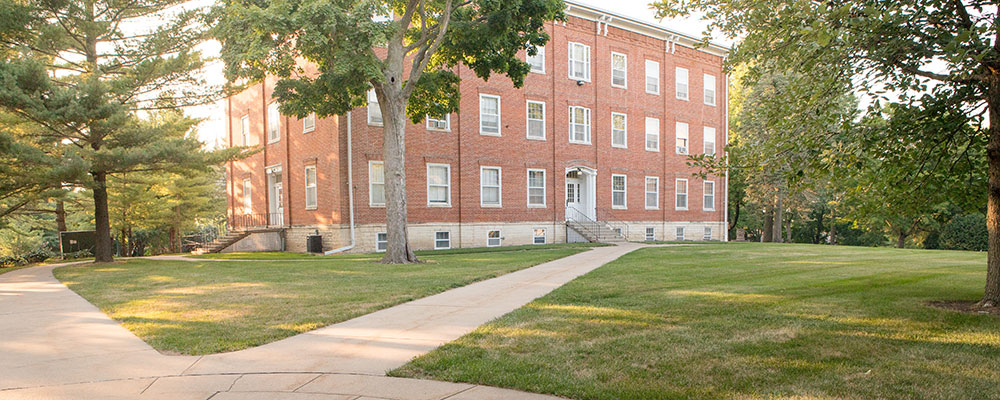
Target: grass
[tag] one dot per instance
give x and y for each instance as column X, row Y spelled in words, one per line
column 203, row 307
column 747, row 321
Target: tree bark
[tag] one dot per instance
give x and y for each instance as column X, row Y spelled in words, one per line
column 392, row 102
column 991, row 296
column 102, row 240
column 901, row 240
column 60, row 216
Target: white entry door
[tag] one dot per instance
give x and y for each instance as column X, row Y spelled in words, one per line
column 276, row 209
column 574, row 208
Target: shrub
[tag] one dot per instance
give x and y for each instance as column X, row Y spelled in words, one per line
column 965, row 232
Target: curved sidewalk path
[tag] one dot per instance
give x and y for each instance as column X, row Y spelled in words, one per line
column 54, row 345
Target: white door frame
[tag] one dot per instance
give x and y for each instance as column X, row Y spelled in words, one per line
column 587, row 179
column 275, row 188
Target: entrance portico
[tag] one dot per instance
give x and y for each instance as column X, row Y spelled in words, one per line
column 581, row 193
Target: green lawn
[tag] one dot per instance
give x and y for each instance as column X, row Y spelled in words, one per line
column 202, row 307
column 744, row 321
column 279, row 255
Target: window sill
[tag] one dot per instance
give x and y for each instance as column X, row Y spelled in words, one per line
column 682, row 98
column 539, row 206
column 653, row 150
column 619, row 86
column 439, row 130
column 439, row 205
column 540, row 139
column 619, row 207
column 580, row 143
column 619, row 147
column 311, row 208
column 376, row 205
column 308, row 131
column 481, row 133
column 375, row 124
column 653, row 93
column 680, row 209
column 579, row 79
column 708, row 209
column 652, row 208
column 491, row 205
column 273, row 141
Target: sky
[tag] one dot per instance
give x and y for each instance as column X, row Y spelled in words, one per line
column 212, row 130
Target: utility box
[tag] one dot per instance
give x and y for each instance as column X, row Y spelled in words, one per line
column 314, row 243
column 75, row 241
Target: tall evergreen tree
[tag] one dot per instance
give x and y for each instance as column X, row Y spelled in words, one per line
column 408, row 60
column 84, row 70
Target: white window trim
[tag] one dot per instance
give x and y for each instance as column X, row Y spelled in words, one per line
column 377, row 241
column 613, row 54
column 704, row 193
column 623, row 145
column 247, row 196
column 427, row 178
column 649, row 237
column 545, row 191
column 709, row 234
column 646, row 192
column 541, row 52
column 277, row 129
column 659, row 77
column 545, row 236
column 647, row 134
column 588, row 124
column 499, row 237
column 315, row 187
column 687, row 194
column 706, row 88
column 687, row 84
column 499, row 187
column 687, row 137
column 368, row 109
column 245, row 129
column 436, row 247
column 704, row 140
column 305, row 127
column 569, row 57
column 371, row 184
column 682, row 235
column 624, row 192
column 499, row 115
column 447, row 121
column 527, row 120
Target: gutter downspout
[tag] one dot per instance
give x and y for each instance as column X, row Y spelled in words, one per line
column 350, row 188
column 725, row 200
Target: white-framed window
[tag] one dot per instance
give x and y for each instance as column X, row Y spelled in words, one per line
column 309, row 123
column 374, row 112
column 652, row 77
column 681, row 132
column 493, row 238
column 311, row 187
column 536, row 119
column 245, row 129
column 652, row 134
column 538, row 236
column 652, row 192
column 619, row 70
column 537, row 61
column 489, row 187
column 681, row 191
column 442, row 240
column 489, row 115
column 679, row 233
column 681, row 84
column 247, row 196
column 376, row 184
column 443, row 124
column 273, row 123
column 709, row 138
column 708, row 196
column 536, row 187
column 439, row 185
column 579, row 62
column 619, row 191
column 708, row 233
column 709, row 90
column 619, row 130
column 381, row 242
column 650, row 233
column 579, row 125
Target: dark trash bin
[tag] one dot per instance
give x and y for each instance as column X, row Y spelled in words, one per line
column 314, row 243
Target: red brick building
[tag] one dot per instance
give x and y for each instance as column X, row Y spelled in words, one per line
column 599, row 134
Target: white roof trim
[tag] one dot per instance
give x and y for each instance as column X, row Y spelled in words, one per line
column 606, row 17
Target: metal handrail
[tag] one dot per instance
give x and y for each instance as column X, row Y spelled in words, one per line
column 580, row 218
column 608, row 217
column 241, row 222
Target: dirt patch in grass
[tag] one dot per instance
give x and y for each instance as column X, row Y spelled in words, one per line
column 965, row 306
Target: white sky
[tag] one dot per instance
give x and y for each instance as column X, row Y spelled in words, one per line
column 212, row 130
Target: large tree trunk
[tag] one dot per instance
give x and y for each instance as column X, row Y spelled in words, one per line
column 102, row 241
column 991, row 296
column 60, row 216
column 393, row 107
column 901, row 240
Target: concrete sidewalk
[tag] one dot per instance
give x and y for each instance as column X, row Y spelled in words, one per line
column 57, row 345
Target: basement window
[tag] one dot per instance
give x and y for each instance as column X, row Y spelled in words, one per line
column 381, row 242
column 493, row 239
